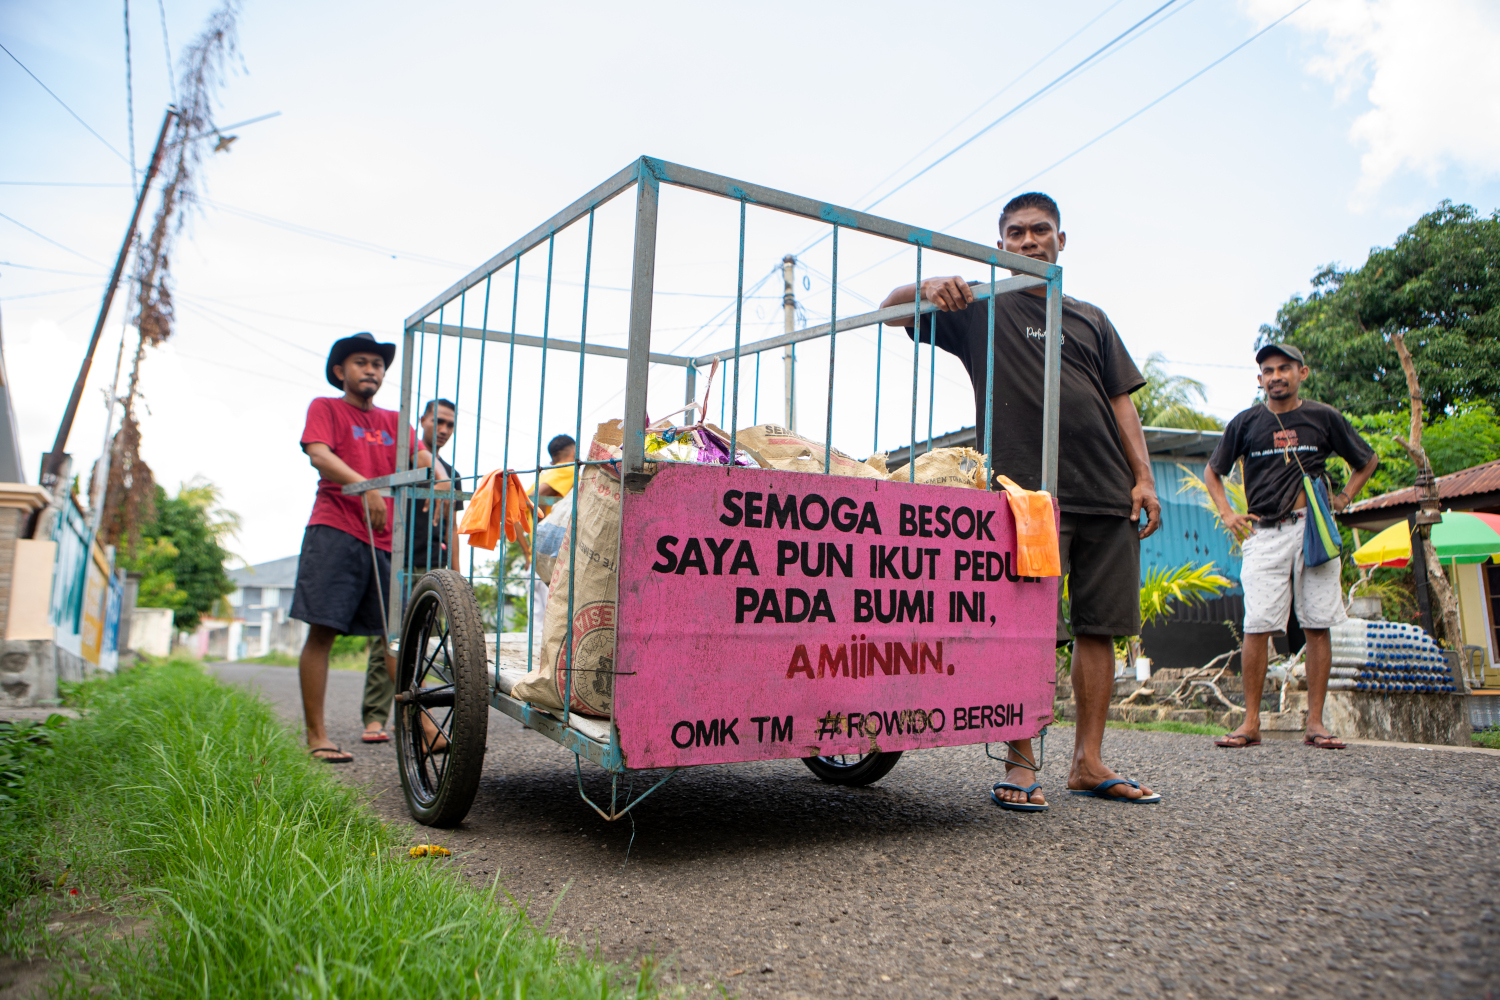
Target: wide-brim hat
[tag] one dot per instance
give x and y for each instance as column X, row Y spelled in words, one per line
column 360, row 343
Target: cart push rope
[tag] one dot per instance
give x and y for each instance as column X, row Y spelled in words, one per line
column 720, row 603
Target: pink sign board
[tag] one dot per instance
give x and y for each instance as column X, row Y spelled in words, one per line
column 767, row 614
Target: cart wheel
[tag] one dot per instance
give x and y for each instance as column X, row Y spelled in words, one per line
column 854, row 768
column 442, row 700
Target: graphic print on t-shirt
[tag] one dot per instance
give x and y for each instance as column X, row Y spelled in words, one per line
column 372, row 436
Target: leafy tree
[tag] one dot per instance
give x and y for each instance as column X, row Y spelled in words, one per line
column 1168, row 400
column 1439, row 285
column 181, row 557
column 1466, row 438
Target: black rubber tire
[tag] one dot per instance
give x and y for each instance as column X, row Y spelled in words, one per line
column 440, row 787
column 853, row 769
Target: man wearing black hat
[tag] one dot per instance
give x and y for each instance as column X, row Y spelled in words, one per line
column 345, row 567
column 1281, row 441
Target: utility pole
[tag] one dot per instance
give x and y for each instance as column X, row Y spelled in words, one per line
column 789, row 305
column 53, row 460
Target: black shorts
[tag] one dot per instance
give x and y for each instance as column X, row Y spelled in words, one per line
column 337, row 585
column 1101, row 560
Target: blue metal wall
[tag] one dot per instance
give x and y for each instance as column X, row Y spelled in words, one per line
column 1189, row 533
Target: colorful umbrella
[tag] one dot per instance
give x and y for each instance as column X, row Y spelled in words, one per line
column 1462, row 538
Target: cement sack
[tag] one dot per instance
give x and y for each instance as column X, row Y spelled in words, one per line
column 595, row 580
column 778, row 448
column 945, row 467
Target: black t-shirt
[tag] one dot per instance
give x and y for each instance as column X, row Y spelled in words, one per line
column 1271, row 450
column 435, row 540
column 1093, row 475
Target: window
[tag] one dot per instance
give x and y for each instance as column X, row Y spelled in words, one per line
column 269, row 597
column 252, row 597
column 237, row 599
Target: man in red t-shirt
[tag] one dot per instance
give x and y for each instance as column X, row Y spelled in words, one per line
column 344, row 571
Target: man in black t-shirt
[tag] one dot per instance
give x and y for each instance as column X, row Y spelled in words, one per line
column 431, row 544
column 1281, row 441
column 1104, row 471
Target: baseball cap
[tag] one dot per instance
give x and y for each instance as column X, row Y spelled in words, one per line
column 1285, row 349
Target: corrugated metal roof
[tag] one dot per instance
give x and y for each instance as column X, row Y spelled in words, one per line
column 1163, row 441
column 1189, row 534
column 1463, row 483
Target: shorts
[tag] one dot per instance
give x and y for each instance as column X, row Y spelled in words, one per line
column 336, row 583
column 1275, row 578
column 1101, row 560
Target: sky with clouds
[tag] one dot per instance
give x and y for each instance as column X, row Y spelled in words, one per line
column 414, row 142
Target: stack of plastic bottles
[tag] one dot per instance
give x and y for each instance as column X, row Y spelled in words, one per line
column 1387, row 657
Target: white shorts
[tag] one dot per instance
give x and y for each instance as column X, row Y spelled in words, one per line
column 1274, row 577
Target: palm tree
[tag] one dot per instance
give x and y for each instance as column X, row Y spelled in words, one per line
column 1168, row 400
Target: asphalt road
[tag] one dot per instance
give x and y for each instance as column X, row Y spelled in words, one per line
column 1278, row 870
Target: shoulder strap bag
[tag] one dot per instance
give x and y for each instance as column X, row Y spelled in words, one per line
column 1321, row 540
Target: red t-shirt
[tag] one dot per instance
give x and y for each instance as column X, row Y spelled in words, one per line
column 366, row 441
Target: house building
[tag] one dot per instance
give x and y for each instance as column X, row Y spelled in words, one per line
column 261, row 600
column 1474, row 489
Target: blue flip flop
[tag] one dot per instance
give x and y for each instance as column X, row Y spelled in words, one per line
column 1024, row 807
column 1098, row 792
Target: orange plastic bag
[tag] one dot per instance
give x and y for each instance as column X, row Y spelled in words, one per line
column 486, row 518
column 1036, row 530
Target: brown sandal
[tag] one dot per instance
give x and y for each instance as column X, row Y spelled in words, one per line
column 1329, row 742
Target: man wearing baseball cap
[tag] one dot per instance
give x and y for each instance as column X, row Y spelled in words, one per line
column 344, row 571
column 1280, row 441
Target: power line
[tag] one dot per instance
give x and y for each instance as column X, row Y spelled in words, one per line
column 319, row 234
column 59, row 100
column 166, row 47
column 265, row 333
column 241, row 369
column 79, row 184
column 55, row 291
column 49, row 239
column 1086, row 64
column 51, row 270
column 1055, row 82
column 129, row 97
column 249, row 343
column 1130, row 118
column 1114, row 128
column 989, row 100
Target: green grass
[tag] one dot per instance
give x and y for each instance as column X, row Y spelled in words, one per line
column 337, row 661
column 1487, row 738
column 1188, row 728
column 263, row 875
column 275, row 658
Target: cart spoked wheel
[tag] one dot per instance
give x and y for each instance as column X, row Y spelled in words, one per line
column 442, row 699
column 853, row 768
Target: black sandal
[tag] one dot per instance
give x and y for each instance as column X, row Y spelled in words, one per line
column 1224, row 741
column 342, row 758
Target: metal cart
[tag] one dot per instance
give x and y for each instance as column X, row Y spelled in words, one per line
column 854, row 620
